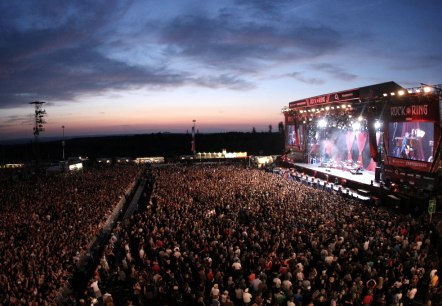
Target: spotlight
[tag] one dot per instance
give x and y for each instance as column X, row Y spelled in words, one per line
column 322, row 123
column 401, row 92
column 427, row 89
column 385, row 94
column 360, row 118
column 392, row 94
column 418, row 90
column 327, row 108
column 377, row 124
column 356, row 126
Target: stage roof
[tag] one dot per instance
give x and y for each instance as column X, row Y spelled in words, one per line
column 356, row 94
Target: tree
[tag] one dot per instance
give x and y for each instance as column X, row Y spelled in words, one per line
column 281, row 127
column 270, row 128
column 253, row 130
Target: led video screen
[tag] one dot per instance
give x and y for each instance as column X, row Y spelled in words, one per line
column 411, row 140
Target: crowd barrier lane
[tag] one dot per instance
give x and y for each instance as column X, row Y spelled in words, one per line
column 96, row 241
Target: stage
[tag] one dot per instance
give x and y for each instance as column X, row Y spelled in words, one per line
column 361, row 185
column 363, row 177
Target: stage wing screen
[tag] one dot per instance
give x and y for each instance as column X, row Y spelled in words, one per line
column 411, row 140
column 291, row 136
column 295, row 136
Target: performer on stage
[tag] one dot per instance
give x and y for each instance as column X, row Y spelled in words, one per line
column 405, row 148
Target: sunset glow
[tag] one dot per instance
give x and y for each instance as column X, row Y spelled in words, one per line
column 141, row 67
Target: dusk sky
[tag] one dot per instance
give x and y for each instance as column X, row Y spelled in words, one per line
column 133, row 67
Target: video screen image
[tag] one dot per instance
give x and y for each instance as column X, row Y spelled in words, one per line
column 411, row 140
column 295, row 137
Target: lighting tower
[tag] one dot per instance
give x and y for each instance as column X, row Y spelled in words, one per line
column 62, row 141
column 39, row 118
column 39, row 122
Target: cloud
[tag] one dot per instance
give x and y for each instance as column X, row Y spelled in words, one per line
column 334, row 71
column 14, row 120
column 224, row 80
column 299, row 76
column 59, row 52
column 233, row 43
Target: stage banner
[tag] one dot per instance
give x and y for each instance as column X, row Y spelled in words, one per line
column 414, row 108
column 355, row 94
column 427, row 181
column 413, row 164
column 336, row 97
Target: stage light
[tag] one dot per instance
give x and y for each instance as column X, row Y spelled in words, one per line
column 427, row 89
column 322, row 123
column 418, row 90
column 356, row 126
column 401, row 92
column 385, row 94
column 310, row 119
column 349, row 116
column 301, row 111
column 360, row 118
column 349, row 106
column 332, row 107
column 377, row 124
column 338, row 106
column 322, row 108
column 344, row 106
column 410, row 91
column 327, row 108
column 392, row 94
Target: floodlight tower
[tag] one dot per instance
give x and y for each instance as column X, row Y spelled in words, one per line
column 39, row 117
column 39, row 124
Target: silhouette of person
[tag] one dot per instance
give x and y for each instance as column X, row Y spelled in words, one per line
column 405, row 148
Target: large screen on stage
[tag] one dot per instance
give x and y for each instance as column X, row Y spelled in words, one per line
column 295, row 137
column 412, row 140
column 291, row 134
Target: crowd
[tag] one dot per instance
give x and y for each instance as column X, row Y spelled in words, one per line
column 47, row 225
column 225, row 235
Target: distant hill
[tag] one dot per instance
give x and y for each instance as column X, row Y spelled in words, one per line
column 160, row 144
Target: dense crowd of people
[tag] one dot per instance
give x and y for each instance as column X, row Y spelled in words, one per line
column 47, row 225
column 226, row 235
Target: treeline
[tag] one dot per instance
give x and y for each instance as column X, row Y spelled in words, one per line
column 159, row 144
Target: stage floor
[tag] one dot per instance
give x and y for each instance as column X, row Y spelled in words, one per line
column 361, row 186
column 365, row 177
